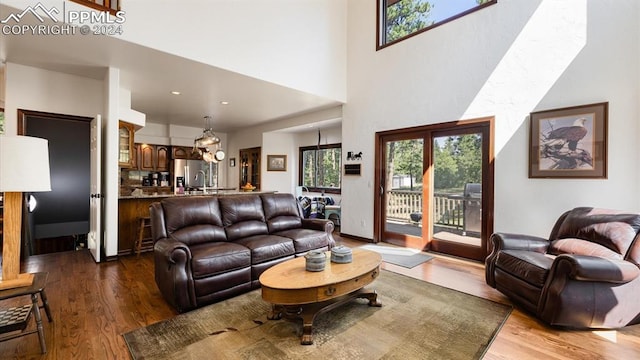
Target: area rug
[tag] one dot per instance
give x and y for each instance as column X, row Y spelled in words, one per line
column 417, row 320
column 404, row 257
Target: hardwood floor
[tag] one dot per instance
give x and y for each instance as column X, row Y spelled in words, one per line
column 93, row 304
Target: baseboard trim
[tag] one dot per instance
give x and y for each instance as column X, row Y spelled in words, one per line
column 355, row 237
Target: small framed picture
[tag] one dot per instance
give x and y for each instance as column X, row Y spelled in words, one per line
column 276, row 162
column 569, row 142
column 232, row 162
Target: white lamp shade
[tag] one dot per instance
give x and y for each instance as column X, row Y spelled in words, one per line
column 24, row 164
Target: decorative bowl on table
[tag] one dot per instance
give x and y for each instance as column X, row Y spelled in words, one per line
column 341, row 254
column 247, row 187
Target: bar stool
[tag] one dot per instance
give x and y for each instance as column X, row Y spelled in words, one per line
column 143, row 223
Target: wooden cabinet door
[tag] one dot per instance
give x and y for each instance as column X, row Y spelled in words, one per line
column 135, row 156
column 179, row 152
column 125, row 145
column 147, row 157
column 162, row 158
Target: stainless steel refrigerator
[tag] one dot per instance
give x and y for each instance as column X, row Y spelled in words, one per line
column 194, row 174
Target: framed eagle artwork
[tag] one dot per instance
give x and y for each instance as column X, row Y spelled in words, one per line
column 569, row 142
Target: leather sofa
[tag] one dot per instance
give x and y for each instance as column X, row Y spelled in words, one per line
column 209, row 248
column 586, row 275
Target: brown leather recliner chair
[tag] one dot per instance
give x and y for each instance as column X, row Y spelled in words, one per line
column 586, row 275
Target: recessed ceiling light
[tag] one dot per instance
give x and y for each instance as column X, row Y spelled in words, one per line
column 224, row 102
column 175, row 92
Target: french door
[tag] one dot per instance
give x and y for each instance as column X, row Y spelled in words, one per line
column 435, row 187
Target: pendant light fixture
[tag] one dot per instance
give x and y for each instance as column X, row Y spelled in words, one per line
column 208, row 137
column 210, row 141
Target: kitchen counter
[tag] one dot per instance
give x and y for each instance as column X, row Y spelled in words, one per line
column 198, row 193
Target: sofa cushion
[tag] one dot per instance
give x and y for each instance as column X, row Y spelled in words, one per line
column 582, row 247
column 242, row 216
column 267, row 247
column 612, row 229
column 281, row 212
column 218, row 257
column 529, row 266
column 306, row 239
column 193, row 220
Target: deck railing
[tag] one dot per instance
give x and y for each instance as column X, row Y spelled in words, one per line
column 448, row 209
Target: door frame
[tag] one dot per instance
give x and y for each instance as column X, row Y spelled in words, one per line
column 23, row 118
column 427, row 131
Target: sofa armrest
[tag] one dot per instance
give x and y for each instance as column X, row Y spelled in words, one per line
column 173, row 273
column 318, row 224
column 591, row 268
column 321, row 225
column 506, row 241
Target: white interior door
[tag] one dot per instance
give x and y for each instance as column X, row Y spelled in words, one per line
column 95, row 228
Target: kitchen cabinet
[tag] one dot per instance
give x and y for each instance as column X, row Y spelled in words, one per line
column 125, row 144
column 152, row 157
column 146, row 157
column 250, row 167
column 185, row 152
column 162, row 158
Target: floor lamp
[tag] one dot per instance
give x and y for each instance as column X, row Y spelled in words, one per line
column 24, row 167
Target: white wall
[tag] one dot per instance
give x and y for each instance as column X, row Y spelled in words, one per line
column 253, row 137
column 283, row 142
column 506, row 60
column 31, row 88
column 277, row 143
column 297, row 44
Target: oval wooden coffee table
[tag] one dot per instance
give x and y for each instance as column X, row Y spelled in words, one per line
column 297, row 293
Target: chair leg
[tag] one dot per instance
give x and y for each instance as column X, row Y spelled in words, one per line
column 140, row 237
column 45, row 305
column 36, row 310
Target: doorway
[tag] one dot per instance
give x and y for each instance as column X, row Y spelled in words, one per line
column 435, row 187
column 60, row 219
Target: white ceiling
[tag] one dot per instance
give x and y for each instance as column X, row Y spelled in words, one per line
column 151, row 75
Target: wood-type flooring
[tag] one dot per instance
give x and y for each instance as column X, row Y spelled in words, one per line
column 93, row 304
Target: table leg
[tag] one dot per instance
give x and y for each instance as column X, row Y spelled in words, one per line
column 36, row 309
column 275, row 313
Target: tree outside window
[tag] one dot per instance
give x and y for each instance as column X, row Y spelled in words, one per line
column 320, row 168
column 400, row 19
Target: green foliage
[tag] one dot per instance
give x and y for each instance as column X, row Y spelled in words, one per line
column 458, row 161
column 408, row 159
column 321, row 168
column 406, row 17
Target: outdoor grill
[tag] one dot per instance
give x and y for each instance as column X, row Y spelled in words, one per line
column 472, row 208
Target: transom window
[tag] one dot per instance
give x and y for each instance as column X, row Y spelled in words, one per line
column 400, row 19
column 320, row 168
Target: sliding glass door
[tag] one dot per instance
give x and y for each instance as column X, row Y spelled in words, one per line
column 435, row 188
column 403, row 189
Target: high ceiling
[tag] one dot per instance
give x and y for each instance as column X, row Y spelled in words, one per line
column 151, row 75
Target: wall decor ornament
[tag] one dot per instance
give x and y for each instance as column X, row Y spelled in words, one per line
column 569, row 142
column 276, row 162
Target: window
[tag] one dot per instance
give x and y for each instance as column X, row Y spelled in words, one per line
column 400, row 19
column 320, row 168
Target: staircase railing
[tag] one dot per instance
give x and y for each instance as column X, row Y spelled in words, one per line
column 111, row 6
